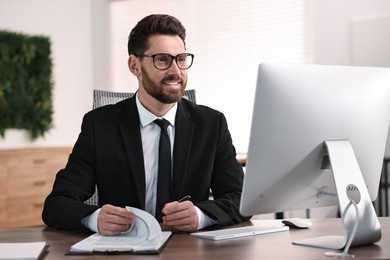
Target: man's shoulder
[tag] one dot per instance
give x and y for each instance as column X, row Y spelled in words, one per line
column 198, row 108
column 199, row 114
column 112, row 110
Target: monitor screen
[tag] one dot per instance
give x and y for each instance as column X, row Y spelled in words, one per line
column 299, row 107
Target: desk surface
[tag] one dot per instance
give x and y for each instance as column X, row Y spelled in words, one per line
column 184, row 246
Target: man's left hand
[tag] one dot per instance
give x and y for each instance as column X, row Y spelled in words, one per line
column 181, row 216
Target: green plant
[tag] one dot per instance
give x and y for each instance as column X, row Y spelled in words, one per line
column 25, row 83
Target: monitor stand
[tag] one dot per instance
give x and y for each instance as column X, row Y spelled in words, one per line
column 359, row 219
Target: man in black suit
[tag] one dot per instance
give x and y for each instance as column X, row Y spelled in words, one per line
column 118, row 149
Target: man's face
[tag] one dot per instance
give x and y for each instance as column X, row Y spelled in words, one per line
column 166, row 86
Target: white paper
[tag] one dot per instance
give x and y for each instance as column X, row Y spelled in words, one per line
column 21, row 250
column 144, row 235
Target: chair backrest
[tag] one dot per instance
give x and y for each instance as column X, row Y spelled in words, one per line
column 104, row 97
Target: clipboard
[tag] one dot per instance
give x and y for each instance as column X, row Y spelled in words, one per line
column 125, row 250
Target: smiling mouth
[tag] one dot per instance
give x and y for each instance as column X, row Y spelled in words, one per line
column 171, row 83
column 172, row 80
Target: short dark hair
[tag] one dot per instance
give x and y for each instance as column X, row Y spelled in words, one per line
column 151, row 25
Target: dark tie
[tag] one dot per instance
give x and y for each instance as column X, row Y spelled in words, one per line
column 164, row 167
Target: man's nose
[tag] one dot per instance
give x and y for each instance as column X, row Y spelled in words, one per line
column 174, row 68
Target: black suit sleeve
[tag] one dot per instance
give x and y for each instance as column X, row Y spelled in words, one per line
column 64, row 208
column 226, row 181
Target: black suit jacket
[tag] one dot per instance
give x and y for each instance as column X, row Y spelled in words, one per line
column 108, row 153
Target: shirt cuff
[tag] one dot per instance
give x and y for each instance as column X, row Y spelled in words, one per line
column 203, row 219
column 90, row 221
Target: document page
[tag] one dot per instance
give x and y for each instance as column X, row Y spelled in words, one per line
column 144, row 235
column 30, row 250
column 97, row 243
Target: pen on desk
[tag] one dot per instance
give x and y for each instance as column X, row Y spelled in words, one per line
column 185, row 198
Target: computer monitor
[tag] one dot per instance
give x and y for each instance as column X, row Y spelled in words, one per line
column 309, row 123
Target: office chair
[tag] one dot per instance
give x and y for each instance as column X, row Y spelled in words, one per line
column 104, row 97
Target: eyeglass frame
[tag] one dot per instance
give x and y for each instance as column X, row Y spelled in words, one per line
column 172, row 58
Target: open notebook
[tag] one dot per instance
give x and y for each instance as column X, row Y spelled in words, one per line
column 239, row 232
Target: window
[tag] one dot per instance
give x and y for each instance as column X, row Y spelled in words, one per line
column 229, row 38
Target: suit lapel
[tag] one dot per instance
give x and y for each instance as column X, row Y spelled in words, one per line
column 131, row 136
column 184, row 129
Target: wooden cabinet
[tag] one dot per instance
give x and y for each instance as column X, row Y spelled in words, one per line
column 26, row 178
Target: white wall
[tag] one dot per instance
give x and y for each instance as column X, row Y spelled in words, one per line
column 79, row 32
column 335, row 33
column 68, row 23
column 330, row 27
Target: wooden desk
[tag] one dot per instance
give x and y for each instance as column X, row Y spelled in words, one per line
column 184, row 246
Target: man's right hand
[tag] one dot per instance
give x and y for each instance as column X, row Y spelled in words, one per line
column 113, row 220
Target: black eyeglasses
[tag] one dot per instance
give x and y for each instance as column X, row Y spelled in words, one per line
column 163, row 61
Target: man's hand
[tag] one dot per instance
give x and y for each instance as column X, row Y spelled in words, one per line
column 114, row 220
column 180, row 216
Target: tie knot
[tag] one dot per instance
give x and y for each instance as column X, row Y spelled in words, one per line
column 162, row 123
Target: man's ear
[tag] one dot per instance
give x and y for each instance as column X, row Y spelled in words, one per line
column 133, row 64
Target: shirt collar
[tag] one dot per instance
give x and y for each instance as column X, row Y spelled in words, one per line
column 146, row 117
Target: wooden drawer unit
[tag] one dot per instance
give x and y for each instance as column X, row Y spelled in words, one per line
column 26, row 178
column 3, row 192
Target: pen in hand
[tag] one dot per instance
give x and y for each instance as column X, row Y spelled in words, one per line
column 185, row 198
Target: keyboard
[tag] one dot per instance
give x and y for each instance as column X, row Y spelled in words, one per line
column 239, row 232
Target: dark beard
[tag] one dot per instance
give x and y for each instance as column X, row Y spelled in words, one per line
column 158, row 93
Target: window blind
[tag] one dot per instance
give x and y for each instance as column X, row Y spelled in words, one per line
column 229, row 38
